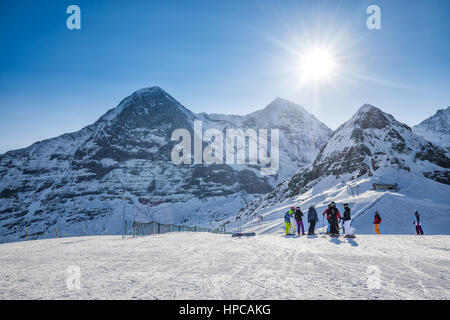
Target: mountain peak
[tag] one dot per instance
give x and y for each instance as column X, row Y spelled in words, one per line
column 282, row 105
column 436, row 128
column 443, row 111
column 146, row 100
column 150, row 90
column 152, row 93
column 369, row 116
column 368, row 108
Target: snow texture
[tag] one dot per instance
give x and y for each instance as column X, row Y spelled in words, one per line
column 211, row 266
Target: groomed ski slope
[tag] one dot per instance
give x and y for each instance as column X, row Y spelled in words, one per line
column 212, row 266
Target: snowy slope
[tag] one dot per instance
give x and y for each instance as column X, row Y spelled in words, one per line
column 211, row 266
column 371, row 147
column 436, row 128
column 76, row 182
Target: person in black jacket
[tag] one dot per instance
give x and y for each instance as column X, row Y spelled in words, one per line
column 312, row 219
column 335, row 216
column 298, row 218
column 348, row 229
column 376, row 222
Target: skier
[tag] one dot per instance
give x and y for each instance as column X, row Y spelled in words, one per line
column 419, row 230
column 335, row 216
column 287, row 220
column 348, row 229
column 293, row 224
column 327, row 212
column 312, row 219
column 376, row 222
column 298, row 218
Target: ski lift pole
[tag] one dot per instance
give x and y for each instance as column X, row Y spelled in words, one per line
column 260, row 223
column 238, row 219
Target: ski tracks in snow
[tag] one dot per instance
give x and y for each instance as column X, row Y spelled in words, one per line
column 208, row 266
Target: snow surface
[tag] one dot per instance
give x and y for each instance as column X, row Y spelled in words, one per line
column 212, row 266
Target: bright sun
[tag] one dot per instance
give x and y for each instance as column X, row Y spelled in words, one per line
column 316, row 65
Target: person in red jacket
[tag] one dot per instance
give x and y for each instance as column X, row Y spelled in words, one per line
column 327, row 213
column 376, row 222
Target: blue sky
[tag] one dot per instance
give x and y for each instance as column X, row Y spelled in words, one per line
column 216, row 56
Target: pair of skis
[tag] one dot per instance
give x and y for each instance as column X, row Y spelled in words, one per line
column 347, row 236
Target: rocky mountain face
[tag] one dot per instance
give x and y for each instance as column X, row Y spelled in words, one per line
column 76, row 182
column 371, row 142
column 436, row 128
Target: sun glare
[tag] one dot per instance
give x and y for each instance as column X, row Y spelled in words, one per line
column 316, row 65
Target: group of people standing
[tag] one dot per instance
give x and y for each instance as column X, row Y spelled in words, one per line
column 333, row 218
column 297, row 214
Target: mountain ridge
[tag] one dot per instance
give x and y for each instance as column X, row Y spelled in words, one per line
column 77, row 181
column 372, row 146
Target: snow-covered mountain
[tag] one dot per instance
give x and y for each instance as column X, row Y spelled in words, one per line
column 301, row 134
column 76, row 182
column 436, row 128
column 371, row 147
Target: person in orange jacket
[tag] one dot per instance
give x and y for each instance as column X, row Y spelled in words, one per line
column 376, row 222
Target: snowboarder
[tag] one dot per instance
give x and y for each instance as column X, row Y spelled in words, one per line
column 348, row 229
column 335, row 216
column 287, row 220
column 299, row 219
column 419, row 230
column 376, row 222
column 327, row 212
column 312, row 219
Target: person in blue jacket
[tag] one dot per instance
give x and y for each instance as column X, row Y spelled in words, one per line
column 312, row 219
column 287, row 220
